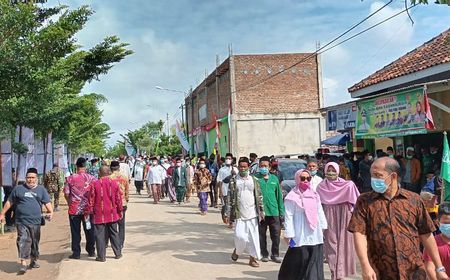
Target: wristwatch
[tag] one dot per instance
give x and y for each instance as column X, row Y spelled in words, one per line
column 440, row 269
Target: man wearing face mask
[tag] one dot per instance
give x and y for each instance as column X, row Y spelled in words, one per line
column 364, row 171
column 411, row 177
column 273, row 209
column 442, row 241
column 202, row 182
column 313, row 169
column 388, row 225
column 179, row 180
column 156, row 176
column 226, row 174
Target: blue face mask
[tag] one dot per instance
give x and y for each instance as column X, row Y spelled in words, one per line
column 264, row 170
column 313, row 173
column 378, row 185
column 445, row 229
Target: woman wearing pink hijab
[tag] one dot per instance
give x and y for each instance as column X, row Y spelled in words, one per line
column 304, row 225
column 338, row 197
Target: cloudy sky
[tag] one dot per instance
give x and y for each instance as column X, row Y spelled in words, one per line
column 175, row 42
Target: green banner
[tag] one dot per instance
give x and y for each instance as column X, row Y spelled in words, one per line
column 398, row 114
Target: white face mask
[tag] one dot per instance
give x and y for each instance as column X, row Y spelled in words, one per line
column 202, row 165
column 228, row 161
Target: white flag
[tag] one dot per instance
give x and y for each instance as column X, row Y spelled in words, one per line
column 182, row 137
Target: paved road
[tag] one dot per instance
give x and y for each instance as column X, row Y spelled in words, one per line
column 168, row 241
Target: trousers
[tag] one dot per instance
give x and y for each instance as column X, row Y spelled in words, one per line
column 28, row 237
column 75, row 231
column 274, row 225
column 103, row 233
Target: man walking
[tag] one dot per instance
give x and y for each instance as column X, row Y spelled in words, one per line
column 246, row 210
column 155, row 178
column 411, row 178
column 273, row 209
column 253, row 163
column 77, row 191
column 28, row 199
column 213, row 169
column 388, row 224
column 138, row 171
column 124, row 168
column 179, row 180
column 226, row 173
column 124, row 191
column 202, row 182
column 106, row 205
column 53, row 182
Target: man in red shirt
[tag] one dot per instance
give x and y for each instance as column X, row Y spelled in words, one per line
column 443, row 243
column 106, row 205
column 76, row 191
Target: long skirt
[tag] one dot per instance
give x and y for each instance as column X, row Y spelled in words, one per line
column 246, row 237
column 181, row 191
column 302, row 263
column 338, row 246
column 171, row 189
column 203, row 204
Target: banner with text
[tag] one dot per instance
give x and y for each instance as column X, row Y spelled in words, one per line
column 391, row 115
column 341, row 119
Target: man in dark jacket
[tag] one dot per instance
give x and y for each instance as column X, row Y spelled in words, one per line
column 180, row 180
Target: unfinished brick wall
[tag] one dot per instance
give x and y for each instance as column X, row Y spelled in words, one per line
column 293, row 91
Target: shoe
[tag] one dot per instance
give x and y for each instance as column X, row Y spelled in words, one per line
column 100, row 259
column 119, row 257
column 276, row 259
column 253, row 262
column 234, row 256
column 265, row 259
column 22, row 270
column 91, row 255
column 34, row 264
column 74, row 257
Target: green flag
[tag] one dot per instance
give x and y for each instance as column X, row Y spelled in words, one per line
column 445, row 170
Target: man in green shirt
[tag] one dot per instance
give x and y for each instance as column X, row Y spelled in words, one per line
column 273, row 208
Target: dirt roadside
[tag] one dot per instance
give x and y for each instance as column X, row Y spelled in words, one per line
column 54, row 246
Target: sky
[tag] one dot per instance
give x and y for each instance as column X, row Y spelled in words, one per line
column 176, row 43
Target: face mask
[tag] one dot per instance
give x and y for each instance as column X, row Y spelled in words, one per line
column 378, row 185
column 304, row 185
column 243, row 173
column 433, row 152
column 409, row 156
column 391, row 156
column 228, row 161
column 202, row 165
column 264, row 170
column 179, row 164
column 313, row 173
column 370, row 158
column 445, row 229
column 331, row 175
column 154, row 163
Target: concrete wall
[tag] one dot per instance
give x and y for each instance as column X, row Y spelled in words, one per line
column 275, row 134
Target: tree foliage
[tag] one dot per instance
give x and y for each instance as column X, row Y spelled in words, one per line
column 43, row 71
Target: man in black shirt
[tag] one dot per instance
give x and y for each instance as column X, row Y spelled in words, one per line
column 28, row 199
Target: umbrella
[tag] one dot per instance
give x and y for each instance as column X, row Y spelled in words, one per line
column 337, row 140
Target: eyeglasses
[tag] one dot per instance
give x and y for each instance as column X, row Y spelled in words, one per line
column 305, row 179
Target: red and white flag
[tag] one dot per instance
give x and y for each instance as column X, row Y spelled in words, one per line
column 429, row 123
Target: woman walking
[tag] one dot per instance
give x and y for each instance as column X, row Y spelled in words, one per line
column 338, row 197
column 304, row 225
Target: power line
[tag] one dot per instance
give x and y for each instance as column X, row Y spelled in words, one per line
column 369, row 28
column 318, row 51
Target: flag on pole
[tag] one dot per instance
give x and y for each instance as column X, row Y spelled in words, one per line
column 429, row 123
column 182, row 137
column 445, row 170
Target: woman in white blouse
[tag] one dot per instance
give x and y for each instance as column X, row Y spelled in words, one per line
column 304, row 225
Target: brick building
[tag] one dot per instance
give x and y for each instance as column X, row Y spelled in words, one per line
column 274, row 101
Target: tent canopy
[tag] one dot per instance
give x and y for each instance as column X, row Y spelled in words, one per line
column 337, row 140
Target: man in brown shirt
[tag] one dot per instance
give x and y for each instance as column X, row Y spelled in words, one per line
column 388, row 225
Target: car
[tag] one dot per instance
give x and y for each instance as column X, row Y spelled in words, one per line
column 288, row 168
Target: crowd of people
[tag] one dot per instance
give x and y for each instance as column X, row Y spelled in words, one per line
column 382, row 209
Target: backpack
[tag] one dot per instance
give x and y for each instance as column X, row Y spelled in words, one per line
column 51, row 181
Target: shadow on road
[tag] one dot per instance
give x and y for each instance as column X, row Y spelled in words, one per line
column 262, row 275
column 9, row 267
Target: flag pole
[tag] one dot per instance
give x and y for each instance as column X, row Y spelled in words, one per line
column 445, row 149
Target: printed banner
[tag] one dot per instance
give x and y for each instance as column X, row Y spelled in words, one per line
column 182, row 137
column 6, row 154
column 130, row 149
column 396, row 114
column 341, row 119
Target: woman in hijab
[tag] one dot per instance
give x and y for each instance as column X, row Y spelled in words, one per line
column 304, row 225
column 338, row 197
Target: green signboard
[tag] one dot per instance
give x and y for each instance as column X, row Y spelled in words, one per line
column 391, row 115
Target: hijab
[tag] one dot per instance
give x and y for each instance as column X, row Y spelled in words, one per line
column 337, row 191
column 308, row 199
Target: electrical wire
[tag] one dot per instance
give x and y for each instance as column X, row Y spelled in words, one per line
column 320, row 50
